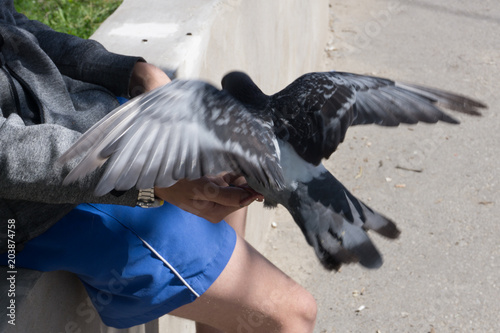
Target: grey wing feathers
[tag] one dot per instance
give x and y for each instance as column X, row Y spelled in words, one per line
column 186, row 129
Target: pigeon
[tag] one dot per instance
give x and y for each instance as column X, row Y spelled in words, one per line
column 188, row 129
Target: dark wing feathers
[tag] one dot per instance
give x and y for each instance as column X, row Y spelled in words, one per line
column 413, row 102
column 445, row 99
column 311, row 113
column 185, row 129
column 374, row 111
column 314, row 112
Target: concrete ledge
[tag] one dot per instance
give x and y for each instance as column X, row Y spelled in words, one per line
column 273, row 41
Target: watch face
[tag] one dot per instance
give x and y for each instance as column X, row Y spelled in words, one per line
column 142, row 204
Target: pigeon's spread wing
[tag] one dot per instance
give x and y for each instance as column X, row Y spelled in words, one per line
column 389, row 103
column 314, row 112
column 186, row 129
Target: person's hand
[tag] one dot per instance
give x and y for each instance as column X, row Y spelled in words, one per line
column 212, row 198
column 146, row 77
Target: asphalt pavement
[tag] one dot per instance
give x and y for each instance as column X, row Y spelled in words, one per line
column 440, row 183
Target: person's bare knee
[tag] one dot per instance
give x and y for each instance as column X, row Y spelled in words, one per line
column 305, row 309
column 290, row 310
column 294, row 308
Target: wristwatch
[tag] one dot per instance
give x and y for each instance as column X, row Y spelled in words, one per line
column 147, row 199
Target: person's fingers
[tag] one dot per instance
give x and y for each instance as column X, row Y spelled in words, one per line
column 220, row 180
column 250, row 190
column 239, row 181
column 210, row 198
column 250, row 199
column 234, row 179
column 218, row 190
column 214, row 212
column 227, row 196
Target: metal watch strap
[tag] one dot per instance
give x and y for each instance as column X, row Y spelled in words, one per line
column 147, row 199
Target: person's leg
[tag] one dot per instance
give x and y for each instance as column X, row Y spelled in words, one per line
column 252, row 295
column 101, row 243
column 123, row 252
column 238, row 221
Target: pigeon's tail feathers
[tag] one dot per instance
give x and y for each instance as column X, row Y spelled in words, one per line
column 379, row 223
column 351, row 245
column 335, row 223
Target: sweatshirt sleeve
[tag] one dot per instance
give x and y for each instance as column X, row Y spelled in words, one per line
column 29, row 172
column 28, row 154
column 82, row 59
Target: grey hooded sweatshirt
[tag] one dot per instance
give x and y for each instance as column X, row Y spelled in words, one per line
column 53, row 87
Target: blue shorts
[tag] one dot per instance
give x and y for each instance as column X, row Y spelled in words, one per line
column 137, row 264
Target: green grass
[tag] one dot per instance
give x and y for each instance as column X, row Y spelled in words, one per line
column 76, row 17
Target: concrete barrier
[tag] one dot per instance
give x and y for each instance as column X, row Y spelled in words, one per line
column 273, row 41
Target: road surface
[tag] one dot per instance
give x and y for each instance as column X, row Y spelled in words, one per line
column 440, row 183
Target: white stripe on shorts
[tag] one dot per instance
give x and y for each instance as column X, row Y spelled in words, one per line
column 169, row 266
column 179, row 276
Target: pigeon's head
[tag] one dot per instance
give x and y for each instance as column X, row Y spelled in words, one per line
column 240, row 86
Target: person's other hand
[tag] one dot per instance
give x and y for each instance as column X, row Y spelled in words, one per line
column 146, row 77
column 212, row 198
